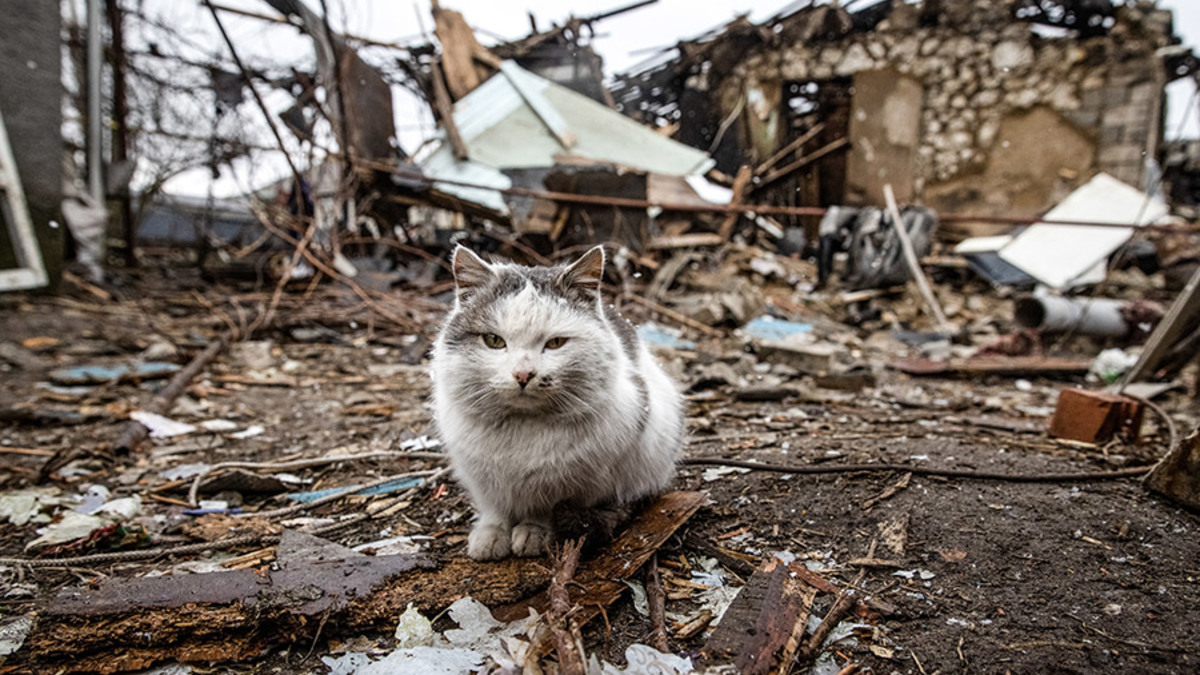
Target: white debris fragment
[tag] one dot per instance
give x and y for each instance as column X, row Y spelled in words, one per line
column 479, row 640
column 184, row 471
column 423, row 443
column 718, row 595
column 94, row 499
column 24, row 506
column 249, row 432
column 923, row 575
column 218, row 425
column 640, row 603
column 413, row 629
column 644, row 660
column 72, row 526
column 402, row 545
column 159, row 426
column 717, row 472
column 13, row 633
column 125, row 508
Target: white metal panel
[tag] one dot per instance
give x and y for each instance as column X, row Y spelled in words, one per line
column 1062, row 256
column 30, row 273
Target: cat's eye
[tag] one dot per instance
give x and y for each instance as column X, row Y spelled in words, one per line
column 493, row 341
column 555, row 343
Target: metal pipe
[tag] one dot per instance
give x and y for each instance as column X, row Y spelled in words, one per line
column 1100, row 317
column 94, row 64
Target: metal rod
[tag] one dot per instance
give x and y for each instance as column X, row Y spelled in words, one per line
column 761, row 209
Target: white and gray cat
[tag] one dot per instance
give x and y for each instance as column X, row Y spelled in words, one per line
column 544, row 396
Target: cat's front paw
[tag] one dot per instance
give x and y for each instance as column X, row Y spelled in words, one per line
column 489, row 542
column 531, row 539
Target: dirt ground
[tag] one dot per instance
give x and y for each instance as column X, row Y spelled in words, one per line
column 986, row 576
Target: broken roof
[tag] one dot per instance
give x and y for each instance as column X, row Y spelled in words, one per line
column 517, row 120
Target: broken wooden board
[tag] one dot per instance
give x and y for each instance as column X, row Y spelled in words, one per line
column 130, row 624
column 764, row 626
column 1177, row 475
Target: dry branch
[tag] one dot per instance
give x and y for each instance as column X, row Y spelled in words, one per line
column 136, row 432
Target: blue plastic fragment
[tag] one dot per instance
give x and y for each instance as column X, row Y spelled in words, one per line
column 653, row 335
column 770, row 328
column 381, row 489
column 99, row 374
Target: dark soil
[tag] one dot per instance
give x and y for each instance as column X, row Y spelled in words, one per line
column 1087, row 577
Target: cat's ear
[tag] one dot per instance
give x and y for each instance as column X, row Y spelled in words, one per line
column 585, row 274
column 470, row 271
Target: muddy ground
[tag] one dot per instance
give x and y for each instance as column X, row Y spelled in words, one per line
column 986, row 576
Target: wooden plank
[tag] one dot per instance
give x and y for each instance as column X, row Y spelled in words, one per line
column 740, row 183
column 805, row 160
column 686, row 241
column 1185, row 308
column 789, row 148
column 764, row 626
column 445, row 110
column 460, row 52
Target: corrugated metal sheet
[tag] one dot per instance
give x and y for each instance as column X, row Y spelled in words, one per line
column 517, row 120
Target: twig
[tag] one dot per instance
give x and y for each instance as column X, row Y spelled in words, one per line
column 142, row 554
column 136, row 432
column 657, row 599
column 302, row 464
column 254, row 92
column 917, row 661
column 566, row 639
column 672, row 314
column 923, row 471
column 841, row 607
column 345, row 492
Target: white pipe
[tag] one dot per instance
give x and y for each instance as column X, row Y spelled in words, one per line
column 1100, row 317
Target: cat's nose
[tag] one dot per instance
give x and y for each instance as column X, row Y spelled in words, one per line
column 524, row 376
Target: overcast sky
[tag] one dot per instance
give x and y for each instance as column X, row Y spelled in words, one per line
column 624, row 41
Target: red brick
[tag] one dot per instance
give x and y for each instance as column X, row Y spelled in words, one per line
column 1095, row 417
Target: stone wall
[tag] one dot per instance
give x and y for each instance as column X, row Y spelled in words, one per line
column 978, row 67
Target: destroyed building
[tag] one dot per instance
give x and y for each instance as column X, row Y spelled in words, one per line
column 993, row 108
